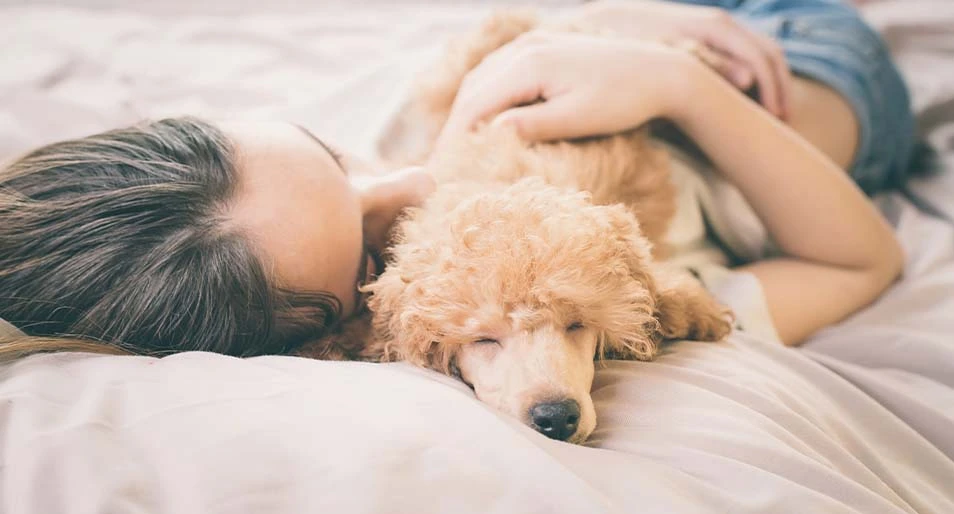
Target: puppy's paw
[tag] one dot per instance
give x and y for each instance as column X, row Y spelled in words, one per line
column 686, row 310
column 699, row 319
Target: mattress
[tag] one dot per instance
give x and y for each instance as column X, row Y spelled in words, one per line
column 860, row 419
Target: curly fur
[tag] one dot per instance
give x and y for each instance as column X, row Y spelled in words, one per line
column 511, row 245
column 526, row 239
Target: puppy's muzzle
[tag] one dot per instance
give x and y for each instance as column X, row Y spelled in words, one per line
column 556, row 420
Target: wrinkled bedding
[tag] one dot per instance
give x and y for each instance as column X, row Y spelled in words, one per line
column 860, row 419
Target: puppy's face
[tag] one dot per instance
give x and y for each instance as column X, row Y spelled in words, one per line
column 516, row 290
column 541, row 375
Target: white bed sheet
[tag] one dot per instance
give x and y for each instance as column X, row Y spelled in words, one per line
column 858, row 421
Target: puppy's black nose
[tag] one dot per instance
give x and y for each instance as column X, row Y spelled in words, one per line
column 556, row 420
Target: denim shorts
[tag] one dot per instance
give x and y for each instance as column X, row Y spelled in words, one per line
column 828, row 41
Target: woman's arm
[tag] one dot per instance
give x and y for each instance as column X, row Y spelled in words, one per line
column 825, row 119
column 840, row 255
column 742, row 56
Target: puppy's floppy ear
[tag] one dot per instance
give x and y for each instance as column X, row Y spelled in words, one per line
column 404, row 312
column 686, row 310
column 675, row 306
column 635, row 338
column 391, row 326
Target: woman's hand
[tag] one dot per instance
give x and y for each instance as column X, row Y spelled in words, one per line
column 563, row 85
column 742, row 56
column 838, row 252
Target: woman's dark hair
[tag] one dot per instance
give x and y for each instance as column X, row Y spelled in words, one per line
column 122, row 238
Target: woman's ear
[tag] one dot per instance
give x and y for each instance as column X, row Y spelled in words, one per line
column 686, row 310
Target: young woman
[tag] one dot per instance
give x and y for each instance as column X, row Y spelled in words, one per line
column 248, row 239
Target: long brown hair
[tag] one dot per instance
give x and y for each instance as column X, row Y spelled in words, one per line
column 117, row 242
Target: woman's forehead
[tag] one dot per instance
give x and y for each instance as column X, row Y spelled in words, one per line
column 297, row 205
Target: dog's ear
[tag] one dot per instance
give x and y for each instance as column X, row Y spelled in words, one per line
column 404, row 312
column 686, row 310
column 636, row 338
column 676, row 306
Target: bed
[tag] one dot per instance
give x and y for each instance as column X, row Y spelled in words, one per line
column 860, row 419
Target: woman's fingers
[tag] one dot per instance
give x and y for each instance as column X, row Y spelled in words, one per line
column 486, row 94
column 742, row 48
column 544, row 121
column 554, row 86
column 739, row 74
column 753, row 58
column 760, row 54
column 486, row 103
column 510, row 76
column 732, row 69
column 783, row 73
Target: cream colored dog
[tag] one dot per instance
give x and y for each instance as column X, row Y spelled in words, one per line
column 528, row 263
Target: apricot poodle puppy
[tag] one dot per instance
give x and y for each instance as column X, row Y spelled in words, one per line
column 530, row 262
